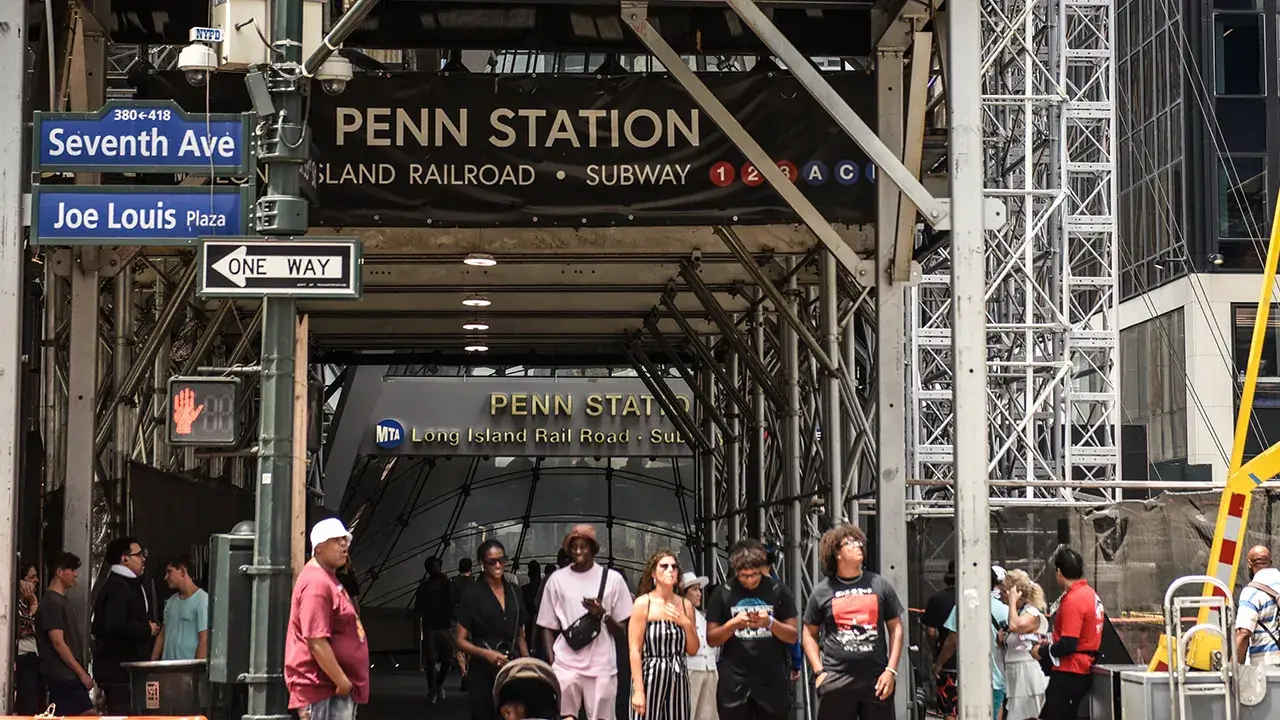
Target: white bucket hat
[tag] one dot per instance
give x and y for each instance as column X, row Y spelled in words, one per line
column 689, row 579
column 327, row 530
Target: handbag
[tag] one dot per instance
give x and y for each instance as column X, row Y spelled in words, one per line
column 583, row 631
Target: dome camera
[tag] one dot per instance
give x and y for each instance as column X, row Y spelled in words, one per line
column 334, row 74
column 196, row 61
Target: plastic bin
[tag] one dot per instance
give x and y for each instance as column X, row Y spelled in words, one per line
column 170, row 687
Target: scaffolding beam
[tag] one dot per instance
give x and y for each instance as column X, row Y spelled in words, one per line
column 636, row 16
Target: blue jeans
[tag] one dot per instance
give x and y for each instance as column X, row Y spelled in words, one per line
column 331, row 708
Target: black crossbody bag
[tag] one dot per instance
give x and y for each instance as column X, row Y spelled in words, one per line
column 587, row 628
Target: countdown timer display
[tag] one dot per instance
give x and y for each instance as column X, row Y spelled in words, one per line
column 204, row 411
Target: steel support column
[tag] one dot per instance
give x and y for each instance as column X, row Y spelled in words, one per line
column 121, row 360
column 833, row 420
column 793, row 452
column 87, row 83
column 759, row 430
column 82, row 394
column 53, row 423
column 890, row 365
column 710, row 526
column 13, row 53
column 733, row 456
column 968, row 338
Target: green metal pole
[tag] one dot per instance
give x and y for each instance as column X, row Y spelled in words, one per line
column 279, row 212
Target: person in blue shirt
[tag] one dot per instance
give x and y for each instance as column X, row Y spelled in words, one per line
column 999, row 623
column 185, row 633
column 797, row 655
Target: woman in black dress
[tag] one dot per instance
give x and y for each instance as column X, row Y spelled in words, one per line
column 490, row 627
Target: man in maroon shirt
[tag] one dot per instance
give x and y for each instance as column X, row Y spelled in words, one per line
column 326, row 658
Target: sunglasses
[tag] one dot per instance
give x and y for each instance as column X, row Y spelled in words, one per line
column 668, row 566
column 491, row 562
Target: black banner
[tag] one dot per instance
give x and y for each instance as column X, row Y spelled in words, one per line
column 476, row 150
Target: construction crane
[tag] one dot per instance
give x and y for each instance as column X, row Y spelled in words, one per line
column 1242, row 480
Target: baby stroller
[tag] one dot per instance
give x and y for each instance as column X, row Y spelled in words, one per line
column 526, row 689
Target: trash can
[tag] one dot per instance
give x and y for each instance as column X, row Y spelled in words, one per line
column 170, row 687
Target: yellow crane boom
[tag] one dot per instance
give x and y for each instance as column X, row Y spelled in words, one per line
column 1242, row 478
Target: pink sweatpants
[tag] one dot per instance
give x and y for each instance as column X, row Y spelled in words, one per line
column 595, row 694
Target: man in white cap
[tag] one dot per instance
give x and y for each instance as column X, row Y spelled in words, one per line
column 326, row 658
column 703, row 678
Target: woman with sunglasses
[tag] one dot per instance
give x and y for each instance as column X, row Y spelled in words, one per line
column 490, row 627
column 663, row 633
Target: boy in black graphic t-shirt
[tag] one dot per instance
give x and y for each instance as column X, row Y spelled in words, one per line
column 857, row 616
column 753, row 618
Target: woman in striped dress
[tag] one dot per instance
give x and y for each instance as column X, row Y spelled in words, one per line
column 662, row 634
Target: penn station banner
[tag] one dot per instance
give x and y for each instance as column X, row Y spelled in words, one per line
column 538, row 417
column 478, row 150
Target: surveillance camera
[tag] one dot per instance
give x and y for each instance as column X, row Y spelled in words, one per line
column 196, row 61
column 334, row 74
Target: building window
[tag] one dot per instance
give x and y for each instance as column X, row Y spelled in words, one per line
column 1153, row 383
column 1244, row 123
column 1242, row 197
column 1243, row 320
column 1237, row 55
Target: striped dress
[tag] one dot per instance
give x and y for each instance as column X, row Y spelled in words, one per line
column 666, row 681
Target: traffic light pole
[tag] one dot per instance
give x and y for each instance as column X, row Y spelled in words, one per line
column 281, row 211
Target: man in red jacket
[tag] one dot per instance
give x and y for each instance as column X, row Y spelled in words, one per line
column 1077, row 637
column 326, row 658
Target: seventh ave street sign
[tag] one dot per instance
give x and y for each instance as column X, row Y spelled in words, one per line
column 319, row 267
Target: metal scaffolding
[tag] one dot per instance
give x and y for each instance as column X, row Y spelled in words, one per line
column 1052, row 334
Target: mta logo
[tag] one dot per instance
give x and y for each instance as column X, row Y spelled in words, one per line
column 388, row 434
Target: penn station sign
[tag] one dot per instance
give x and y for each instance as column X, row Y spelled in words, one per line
column 597, row 417
column 478, row 150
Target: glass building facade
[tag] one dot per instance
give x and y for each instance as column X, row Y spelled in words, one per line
column 1198, row 109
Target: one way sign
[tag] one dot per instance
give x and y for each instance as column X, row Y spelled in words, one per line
column 257, row 267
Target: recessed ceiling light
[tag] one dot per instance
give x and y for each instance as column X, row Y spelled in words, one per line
column 476, row 301
column 476, row 325
column 480, row 260
column 477, row 347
